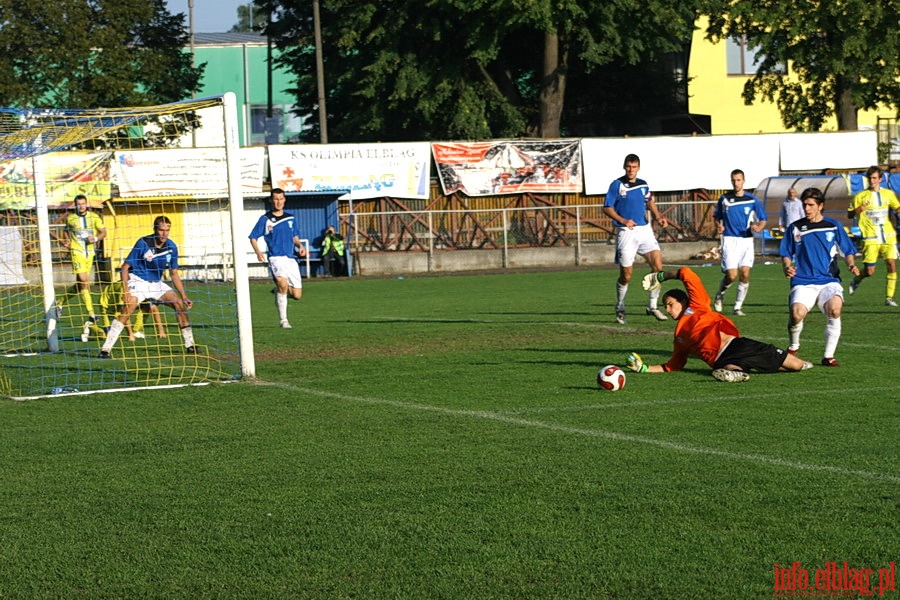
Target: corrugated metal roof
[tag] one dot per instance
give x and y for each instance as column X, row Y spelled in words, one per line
column 228, row 38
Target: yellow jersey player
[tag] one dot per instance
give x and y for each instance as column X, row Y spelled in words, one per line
column 871, row 207
column 112, row 303
column 84, row 228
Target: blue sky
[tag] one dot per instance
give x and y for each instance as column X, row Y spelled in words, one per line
column 210, row 16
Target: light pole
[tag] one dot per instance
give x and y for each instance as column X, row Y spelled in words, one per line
column 193, row 64
column 320, row 75
column 191, row 26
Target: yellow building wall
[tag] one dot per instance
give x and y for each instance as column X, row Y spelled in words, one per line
column 713, row 92
column 125, row 225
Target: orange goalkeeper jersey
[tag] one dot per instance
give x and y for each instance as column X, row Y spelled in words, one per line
column 698, row 331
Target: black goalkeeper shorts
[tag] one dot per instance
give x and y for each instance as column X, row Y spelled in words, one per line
column 750, row 355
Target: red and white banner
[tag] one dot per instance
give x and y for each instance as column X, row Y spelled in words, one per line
column 509, row 167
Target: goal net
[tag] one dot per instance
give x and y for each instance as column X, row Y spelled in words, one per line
column 126, row 167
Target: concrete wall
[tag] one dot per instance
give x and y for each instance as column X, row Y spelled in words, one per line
column 593, row 255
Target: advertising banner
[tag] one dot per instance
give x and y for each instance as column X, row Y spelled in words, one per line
column 671, row 164
column 509, row 167
column 66, row 175
column 197, row 172
column 396, row 170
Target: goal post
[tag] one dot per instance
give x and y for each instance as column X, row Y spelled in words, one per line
column 130, row 165
column 245, row 326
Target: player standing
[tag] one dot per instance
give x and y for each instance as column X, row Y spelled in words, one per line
column 142, row 274
column 809, row 252
column 281, row 231
column 791, row 210
column 871, row 207
column 627, row 203
column 738, row 216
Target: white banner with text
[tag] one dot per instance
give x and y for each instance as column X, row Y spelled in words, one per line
column 397, row 170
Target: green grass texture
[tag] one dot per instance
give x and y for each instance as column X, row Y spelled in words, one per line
column 444, row 437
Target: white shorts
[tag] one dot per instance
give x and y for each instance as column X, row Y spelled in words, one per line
column 146, row 290
column 631, row 242
column 815, row 294
column 286, row 267
column 737, row 252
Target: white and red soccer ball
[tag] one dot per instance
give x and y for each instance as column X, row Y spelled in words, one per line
column 611, row 378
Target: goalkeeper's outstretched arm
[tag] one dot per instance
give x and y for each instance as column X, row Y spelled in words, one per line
column 651, row 281
column 636, row 364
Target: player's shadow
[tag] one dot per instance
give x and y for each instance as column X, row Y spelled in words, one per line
column 598, row 356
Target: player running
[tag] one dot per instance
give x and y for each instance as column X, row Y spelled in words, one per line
column 871, row 207
column 627, row 203
column 738, row 216
column 281, row 232
column 84, row 228
column 809, row 252
column 710, row 336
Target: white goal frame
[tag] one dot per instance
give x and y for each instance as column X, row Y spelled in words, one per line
column 237, row 273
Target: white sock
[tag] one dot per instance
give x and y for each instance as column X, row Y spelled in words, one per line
column 187, row 334
column 741, row 294
column 281, row 303
column 621, row 290
column 115, row 330
column 794, row 335
column 654, row 299
column 832, row 335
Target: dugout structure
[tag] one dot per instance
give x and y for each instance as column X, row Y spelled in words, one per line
column 133, row 164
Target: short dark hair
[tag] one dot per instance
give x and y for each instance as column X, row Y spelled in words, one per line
column 678, row 295
column 160, row 220
column 79, row 197
column 276, row 191
column 814, row 193
column 737, row 172
column 873, row 169
column 631, row 158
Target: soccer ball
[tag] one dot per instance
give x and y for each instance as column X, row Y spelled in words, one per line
column 611, row 378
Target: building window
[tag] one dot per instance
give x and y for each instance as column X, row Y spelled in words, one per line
column 742, row 59
column 263, row 129
column 283, row 127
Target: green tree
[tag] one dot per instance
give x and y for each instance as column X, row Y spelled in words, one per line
column 250, row 18
column 93, row 53
column 844, row 56
column 466, row 69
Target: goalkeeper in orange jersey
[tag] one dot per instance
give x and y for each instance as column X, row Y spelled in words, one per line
column 709, row 335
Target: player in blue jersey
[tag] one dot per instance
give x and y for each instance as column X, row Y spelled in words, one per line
column 281, row 232
column 809, row 252
column 142, row 274
column 627, row 203
column 738, row 216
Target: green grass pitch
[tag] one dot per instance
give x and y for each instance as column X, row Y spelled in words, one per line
column 444, row 437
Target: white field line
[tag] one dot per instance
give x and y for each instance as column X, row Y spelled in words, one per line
column 597, row 433
column 583, row 325
column 780, row 394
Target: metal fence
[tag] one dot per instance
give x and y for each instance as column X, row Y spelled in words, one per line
column 397, row 241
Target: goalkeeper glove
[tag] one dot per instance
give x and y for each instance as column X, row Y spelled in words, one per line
column 635, row 363
column 651, row 281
